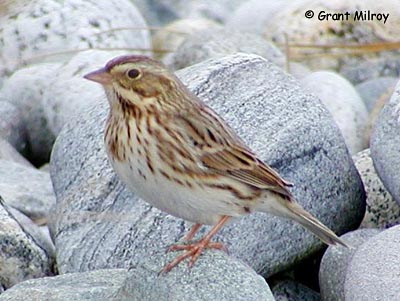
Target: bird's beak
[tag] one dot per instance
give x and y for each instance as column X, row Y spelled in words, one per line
column 101, row 76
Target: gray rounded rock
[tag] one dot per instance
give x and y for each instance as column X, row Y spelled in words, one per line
column 12, row 126
column 9, row 153
column 50, row 30
column 210, row 279
column 382, row 210
column 172, row 35
column 252, row 15
column 289, row 290
column 25, row 90
column 385, row 145
column 90, row 286
column 289, row 129
column 372, row 90
column 26, row 189
column 161, row 12
column 215, row 43
column 372, row 69
column 22, row 257
column 344, row 103
column 373, row 272
column 335, row 262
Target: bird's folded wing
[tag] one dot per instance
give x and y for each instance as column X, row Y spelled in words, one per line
column 240, row 164
column 219, row 149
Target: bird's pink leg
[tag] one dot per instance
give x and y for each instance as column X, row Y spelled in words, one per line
column 195, row 249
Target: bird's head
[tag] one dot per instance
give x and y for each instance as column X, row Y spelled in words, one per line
column 136, row 80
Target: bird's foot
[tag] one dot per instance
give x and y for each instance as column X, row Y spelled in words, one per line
column 192, row 250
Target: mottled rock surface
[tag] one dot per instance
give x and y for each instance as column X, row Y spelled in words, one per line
column 90, row 286
column 289, row 290
column 385, row 145
column 373, row 272
column 12, row 126
column 210, row 279
column 344, row 103
column 26, row 189
column 25, row 90
column 335, row 265
column 216, row 43
column 382, row 210
column 22, row 255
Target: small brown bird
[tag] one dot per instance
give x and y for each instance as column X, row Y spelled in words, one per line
column 176, row 153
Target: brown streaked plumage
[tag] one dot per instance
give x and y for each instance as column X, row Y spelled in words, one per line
column 180, row 156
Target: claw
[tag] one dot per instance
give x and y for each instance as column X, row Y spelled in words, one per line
column 195, row 249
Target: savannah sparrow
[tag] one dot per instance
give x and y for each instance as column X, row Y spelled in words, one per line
column 176, row 153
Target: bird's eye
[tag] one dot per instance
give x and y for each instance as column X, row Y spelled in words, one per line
column 133, row 73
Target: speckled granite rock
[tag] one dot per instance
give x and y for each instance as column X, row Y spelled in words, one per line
column 344, row 103
column 373, row 272
column 52, row 26
column 385, row 145
column 334, row 265
column 98, row 285
column 212, row 43
column 289, row 129
column 382, row 210
column 22, row 256
column 210, row 279
column 172, row 35
column 161, row 12
column 26, row 189
column 372, row 69
column 289, row 290
column 252, row 15
column 12, row 126
column 291, row 22
column 373, row 89
column 9, row 153
column 25, row 89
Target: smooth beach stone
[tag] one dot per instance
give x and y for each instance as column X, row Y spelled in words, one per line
column 12, row 126
column 214, row 277
column 98, row 223
column 382, row 210
column 53, row 30
column 89, row 286
column 252, row 15
column 344, row 103
column 373, row 272
column 161, row 12
column 372, row 90
column 385, row 145
column 292, row 23
column 212, row 43
column 388, row 66
column 289, row 290
column 22, row 255
column 335, row 265
column 24, row 89
column 167, row 40
column 26, row 189
column 9, row 153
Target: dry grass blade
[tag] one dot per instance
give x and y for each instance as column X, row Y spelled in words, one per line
column 311, row 50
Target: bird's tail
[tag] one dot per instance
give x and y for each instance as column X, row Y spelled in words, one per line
column 292, row 210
